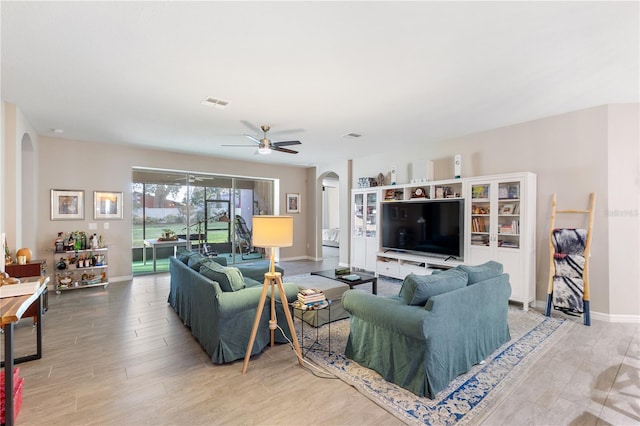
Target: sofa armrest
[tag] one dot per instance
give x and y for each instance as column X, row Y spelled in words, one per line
column 387, row 312
column 230, row 303
column 256, row 270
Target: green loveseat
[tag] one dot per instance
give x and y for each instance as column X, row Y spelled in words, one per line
column 437, row 328
column 222, row 320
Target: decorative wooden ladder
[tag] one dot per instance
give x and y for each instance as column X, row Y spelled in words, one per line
column 568, row 249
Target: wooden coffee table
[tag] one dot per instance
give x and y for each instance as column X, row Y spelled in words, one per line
column 364, row 278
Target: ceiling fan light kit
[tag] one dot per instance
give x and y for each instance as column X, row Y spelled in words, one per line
column 264, row 149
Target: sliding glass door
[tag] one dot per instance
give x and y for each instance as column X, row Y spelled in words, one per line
column 208, row 213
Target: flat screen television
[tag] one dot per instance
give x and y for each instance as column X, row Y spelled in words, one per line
column 432, row 227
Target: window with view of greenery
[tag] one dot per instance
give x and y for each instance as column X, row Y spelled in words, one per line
column 203, row 209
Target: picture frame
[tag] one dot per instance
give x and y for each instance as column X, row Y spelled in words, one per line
column 507, row 209
column 293, row 203
column 107, row 205
column 67, row 204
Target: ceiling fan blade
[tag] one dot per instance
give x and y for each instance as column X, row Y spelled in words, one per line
column 287, row 131
column 251, row 126
column 251, row 146
column 288, row 151
column 253, row 138
column 286, row 143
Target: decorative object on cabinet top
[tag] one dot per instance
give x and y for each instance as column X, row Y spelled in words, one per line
column 419, row 193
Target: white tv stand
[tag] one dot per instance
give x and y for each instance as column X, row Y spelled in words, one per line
column 398, row 264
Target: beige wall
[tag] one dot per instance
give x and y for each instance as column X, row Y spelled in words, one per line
column 569, row 154
column 623, row 211
column 573, row 154
column 88, row 166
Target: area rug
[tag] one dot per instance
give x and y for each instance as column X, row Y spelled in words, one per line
column 469, row 398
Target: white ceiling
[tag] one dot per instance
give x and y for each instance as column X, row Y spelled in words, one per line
column 398, row 73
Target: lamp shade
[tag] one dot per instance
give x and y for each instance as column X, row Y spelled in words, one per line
column 272, row 231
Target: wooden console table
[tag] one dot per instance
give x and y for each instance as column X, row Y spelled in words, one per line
column 12, row 307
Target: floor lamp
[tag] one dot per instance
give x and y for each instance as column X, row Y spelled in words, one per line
column 272, row 232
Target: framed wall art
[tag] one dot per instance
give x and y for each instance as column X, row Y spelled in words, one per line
column 107, row 205
column 293, row 203
column 67, row 204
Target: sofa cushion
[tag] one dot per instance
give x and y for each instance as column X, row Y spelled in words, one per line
column 229, row 278
column 184, row 253
column 219, row 260
column 417, row 289
column 196, row 260
column 477, row 273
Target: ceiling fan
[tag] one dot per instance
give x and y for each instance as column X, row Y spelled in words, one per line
column 265, row 146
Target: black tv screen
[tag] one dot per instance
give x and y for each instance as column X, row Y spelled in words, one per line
column 434, row 227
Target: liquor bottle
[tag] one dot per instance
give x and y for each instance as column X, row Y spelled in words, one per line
column 59, row 242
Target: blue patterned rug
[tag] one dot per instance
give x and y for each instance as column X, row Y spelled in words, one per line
column 471, row 396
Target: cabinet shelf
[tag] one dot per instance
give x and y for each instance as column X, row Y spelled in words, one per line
column 59, row 289
column 84, row 268
column 90, row 250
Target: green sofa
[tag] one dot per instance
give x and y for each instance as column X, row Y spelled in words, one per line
column 222, row 320
column 437, row 328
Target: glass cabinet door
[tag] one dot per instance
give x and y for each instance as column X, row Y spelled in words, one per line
column 509, row 214
column 480, row 214
column 371, row 215
column 358, row 215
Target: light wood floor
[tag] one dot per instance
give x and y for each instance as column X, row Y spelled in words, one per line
column 121, row 356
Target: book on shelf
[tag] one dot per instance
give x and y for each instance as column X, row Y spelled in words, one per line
column 477, row 225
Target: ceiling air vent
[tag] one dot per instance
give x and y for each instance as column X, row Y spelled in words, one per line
column 215, row 102
column 352, row 135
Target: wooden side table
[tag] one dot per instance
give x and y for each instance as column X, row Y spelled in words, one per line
column 34, row 268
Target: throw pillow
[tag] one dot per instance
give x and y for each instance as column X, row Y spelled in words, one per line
column 196, row 260
column 477, row 273
column 229, row 278
column 417, row 289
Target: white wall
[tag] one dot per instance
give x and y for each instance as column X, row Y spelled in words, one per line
column 569, row 154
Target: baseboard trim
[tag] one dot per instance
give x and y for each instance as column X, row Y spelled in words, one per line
column 289, row 259
column 600, row 316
